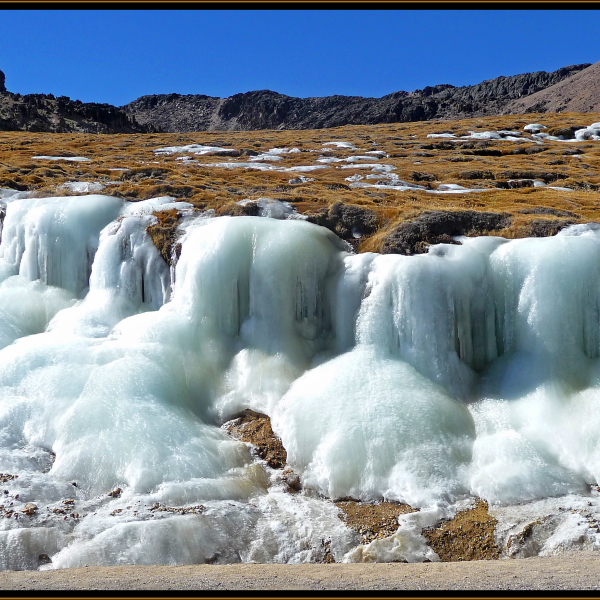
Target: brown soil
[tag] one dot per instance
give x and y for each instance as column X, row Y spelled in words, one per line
column 468, row 536
column 164, row 233
column 373, row 520
column 255, row 428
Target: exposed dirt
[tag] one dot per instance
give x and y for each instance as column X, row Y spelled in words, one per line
column 164, row 233
column 373, row 520
column 255, row 428
column 468, row 536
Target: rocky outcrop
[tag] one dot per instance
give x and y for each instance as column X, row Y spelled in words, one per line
column 437, row 227
column 348, row 221
column 46, row 113
column 269, row 110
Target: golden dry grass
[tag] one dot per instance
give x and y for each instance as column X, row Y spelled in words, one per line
column 147, row 175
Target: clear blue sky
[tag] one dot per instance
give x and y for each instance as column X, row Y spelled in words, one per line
column 117, row 56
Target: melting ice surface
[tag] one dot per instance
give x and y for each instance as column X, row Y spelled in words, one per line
column 469, row 371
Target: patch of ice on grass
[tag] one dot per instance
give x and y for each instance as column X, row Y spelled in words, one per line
column 329, row 159
column 83, row 187
column 481, row 135
column 273, row 209
column 372, row 166
column 68, row 158
column 265, row 156
column 355, row 158
column 534, row 127
column 441, row 135
column 242, row 165
column 560, row 189
column 588, row 133
column 193, row 149
column 444, row 187
column 341, row 145
column 300, row 179
column 355, row 177
column 305, row 168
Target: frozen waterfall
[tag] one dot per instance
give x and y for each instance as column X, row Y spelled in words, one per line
column 470, row 370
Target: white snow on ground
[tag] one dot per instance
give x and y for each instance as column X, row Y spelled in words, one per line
column 356, row 177
column 560, row 189
column 284, row 151
column 534, row 127
column 83, row 187
column 329, row 159
column 265, row 156
column 379, row 152
column 481, row 135
column 589, row 133
column 446, row 187
column 193, row 149
column 341, row 145
column 273, row 209
column 441, row 135
column 355, row 158
column 305, row 168
column 372, row 166
column 69, row 158
column 405, row 186
column 242, row 165
column 301, row 179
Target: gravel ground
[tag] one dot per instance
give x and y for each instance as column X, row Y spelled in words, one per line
column 574, row 571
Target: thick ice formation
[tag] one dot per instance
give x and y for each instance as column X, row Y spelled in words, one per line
column 471, row 370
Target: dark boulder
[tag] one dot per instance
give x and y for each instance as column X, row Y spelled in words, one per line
column 546, row 227
column 349, row 221
column 476, row 174
column 2, row 80
column 436, row 227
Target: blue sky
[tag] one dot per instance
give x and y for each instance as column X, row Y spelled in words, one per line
column 117, row 56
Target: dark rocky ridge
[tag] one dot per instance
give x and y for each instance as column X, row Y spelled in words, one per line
column 46, row 113
column 269, row 110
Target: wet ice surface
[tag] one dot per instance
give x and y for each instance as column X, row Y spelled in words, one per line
column 469, row 371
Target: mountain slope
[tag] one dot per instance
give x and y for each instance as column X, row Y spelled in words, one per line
column 578, row 93
column 269, row 110
column 45, row 113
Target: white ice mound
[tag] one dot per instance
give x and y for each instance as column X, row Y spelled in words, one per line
column 55, row 239
column 368, row 426
column 472, row 369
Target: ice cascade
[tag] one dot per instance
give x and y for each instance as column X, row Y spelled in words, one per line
column 473, row 370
